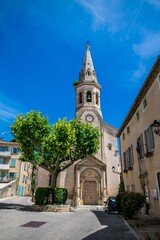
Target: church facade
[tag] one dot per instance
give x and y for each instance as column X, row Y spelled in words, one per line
column 90, row 181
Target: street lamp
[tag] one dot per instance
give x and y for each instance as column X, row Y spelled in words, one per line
column 156, row 126
column 113, row 170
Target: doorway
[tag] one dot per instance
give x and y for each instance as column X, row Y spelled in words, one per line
column 89, row 193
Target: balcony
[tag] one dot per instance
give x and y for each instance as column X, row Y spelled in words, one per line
column 5, row 154
column 4, row 166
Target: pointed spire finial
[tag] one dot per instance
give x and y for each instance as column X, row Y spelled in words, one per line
column 88, row 43
column 87, row 73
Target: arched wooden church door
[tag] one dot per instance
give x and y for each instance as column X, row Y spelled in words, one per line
column 89, row 184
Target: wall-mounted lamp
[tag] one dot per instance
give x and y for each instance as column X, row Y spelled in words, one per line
column 156, row 126
column 113, row 170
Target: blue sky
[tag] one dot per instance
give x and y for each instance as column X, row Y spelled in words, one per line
column 42, row 46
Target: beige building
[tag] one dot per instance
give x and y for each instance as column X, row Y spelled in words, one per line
column 11, row 168
column 91, row 181
column 42, row 177
column 140, row 145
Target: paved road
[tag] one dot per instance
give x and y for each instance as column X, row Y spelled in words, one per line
column 82, row 224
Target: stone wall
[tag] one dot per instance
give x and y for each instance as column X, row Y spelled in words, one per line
column 8, row 190
column 51, row 208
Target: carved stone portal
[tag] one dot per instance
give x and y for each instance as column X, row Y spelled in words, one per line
column 90, row 182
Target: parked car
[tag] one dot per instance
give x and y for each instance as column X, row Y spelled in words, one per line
column 110, row 205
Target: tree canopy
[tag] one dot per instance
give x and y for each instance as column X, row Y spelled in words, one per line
column 56, row 146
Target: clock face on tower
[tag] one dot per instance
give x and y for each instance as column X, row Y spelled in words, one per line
column 89, row 118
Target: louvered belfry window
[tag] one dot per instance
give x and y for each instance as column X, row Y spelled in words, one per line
column 89, row 96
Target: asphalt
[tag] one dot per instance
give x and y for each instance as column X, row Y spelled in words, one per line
column 144, row 227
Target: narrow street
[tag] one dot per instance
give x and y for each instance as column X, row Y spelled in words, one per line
column 19, row 222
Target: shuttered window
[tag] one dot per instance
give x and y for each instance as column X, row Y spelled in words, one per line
column 130, row 157
column 140, row 147
column 149, row 139
column 158, row 178
column 13, row 162
column 125, row 162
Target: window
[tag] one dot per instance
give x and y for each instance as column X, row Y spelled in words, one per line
column 116, row 153
column 25, row 167
column 80, row 97
column 128, row 129
column 89, row 96
column 109, row 146
column 13, row 162
column 125, row 163
column 128, row 159
column 12, row 175
column 132, row 188
column 24, row 179
column 15, row 150
column 123, row 136
column 144, row 104
column 137, row 115
column 97, row 102
column 127, row 188
column 158, row 178
column 3, row 161
column 3, row 149
column 140, row 148
column 149, row 140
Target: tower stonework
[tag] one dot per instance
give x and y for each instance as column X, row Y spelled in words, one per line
column 90, row 181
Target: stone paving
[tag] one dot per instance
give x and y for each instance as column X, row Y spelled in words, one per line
column 145, row 227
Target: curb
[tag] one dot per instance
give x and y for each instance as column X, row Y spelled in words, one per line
column 134, row 233
column 1, row 199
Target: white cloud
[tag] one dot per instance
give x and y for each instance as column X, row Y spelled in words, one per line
column 138, row 73
column 149, row 47
column 105, row 14
column 8, row 109
column 7, row 113
column 155, row 3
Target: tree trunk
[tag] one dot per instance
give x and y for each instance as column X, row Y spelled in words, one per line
column 54, row 179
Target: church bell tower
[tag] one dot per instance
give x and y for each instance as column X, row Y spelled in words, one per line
column 88, row 92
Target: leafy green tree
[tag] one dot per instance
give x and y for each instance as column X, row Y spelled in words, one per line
column 55, row 146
